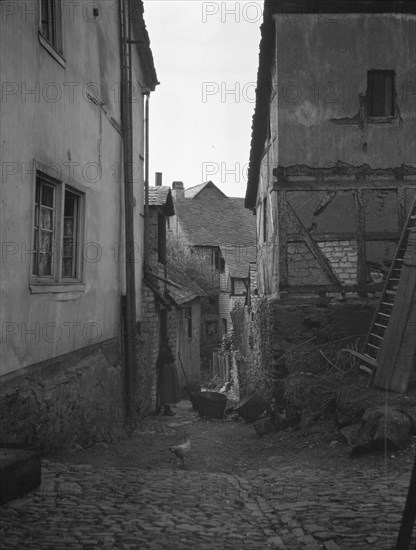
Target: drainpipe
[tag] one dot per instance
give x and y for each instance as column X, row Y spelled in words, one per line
column 146, row 181
column 130, row 331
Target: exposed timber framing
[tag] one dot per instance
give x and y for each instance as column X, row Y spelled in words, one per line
column 283, row 239
column 313, row 247
column 361, row 239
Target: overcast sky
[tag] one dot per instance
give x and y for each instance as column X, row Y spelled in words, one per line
column 206, row 57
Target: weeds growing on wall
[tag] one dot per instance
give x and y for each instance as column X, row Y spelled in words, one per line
column 314, row 373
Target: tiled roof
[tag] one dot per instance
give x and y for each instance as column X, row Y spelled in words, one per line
column 143, row 46
column 192, row 192
column 161, row 196
column 212, row 219
column 238, row 258
column 188, row 291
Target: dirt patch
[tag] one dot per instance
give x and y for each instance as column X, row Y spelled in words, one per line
column 231, row 446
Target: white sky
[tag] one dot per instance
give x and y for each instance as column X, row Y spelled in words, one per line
column 206, row 57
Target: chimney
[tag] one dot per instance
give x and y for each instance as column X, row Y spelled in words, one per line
column 178, row 191
column 158, row 179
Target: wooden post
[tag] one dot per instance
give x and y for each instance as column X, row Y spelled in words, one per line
column 396, row 357
column 361, row 245
column 409, row 515
column 282, row 221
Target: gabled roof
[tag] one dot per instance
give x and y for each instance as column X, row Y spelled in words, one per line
column 161, row 196
column 192, row 192
column 211, row 218
column 188, row 290
column 238, row 259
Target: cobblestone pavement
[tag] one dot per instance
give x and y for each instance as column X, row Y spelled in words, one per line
column 112, row 505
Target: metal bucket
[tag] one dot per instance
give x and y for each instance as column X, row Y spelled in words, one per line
column 251, row 407
column 210, row 404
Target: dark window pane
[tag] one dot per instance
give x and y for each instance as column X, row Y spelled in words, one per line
column 46, row 219
column 45, row 242
column 67, row 267
column 47, row 195
column 70, row 201
column 68, row 243
column 70, row 236
column 69, row 227
column 380, row 93
column 45, row 265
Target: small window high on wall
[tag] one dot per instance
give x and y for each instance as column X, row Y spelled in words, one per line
column 380, row 94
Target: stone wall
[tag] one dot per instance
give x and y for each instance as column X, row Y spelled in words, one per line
column 147, row 352
column 74, row 400
column 272, row 327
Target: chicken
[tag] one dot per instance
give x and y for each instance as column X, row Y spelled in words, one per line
column 182, row 450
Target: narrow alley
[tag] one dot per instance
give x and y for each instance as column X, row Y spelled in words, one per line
column 236, row 491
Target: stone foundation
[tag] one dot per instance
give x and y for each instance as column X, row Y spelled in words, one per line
column 76, row 399
column 273, row 327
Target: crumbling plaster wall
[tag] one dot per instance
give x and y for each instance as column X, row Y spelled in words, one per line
column 322, row 62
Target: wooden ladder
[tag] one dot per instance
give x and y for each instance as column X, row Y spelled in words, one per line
column 384, row 308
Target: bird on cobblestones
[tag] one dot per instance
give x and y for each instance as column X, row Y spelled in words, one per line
column 182, row 450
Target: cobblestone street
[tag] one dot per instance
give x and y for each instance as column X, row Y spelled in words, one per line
column 136, row 495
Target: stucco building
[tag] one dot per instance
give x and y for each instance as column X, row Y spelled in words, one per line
column 221, row 230
column 333, row 153
column 71, row 217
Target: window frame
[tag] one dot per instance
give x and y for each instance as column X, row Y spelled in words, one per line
column 55, row 46
column 188, row 317
column 233, row 282
column 371, row 74
column 56, row 281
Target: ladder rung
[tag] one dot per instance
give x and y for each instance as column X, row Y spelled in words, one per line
column 384, row 314
column 376, row 336
column 367, row 369
column 390, row 292
column 391, row 304
column 373, row 346
column 380, row 325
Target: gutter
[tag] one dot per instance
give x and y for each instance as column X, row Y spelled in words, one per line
column 129, row 309
column 146, row 180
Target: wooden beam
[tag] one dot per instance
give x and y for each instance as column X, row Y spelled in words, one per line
column 342, row 185
column 313, row 247
column 283, row 240
column 370, row 236
column 401, row 207
column 369, row 360
column 307, row 289
column 361, row 240
column 396, row 357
